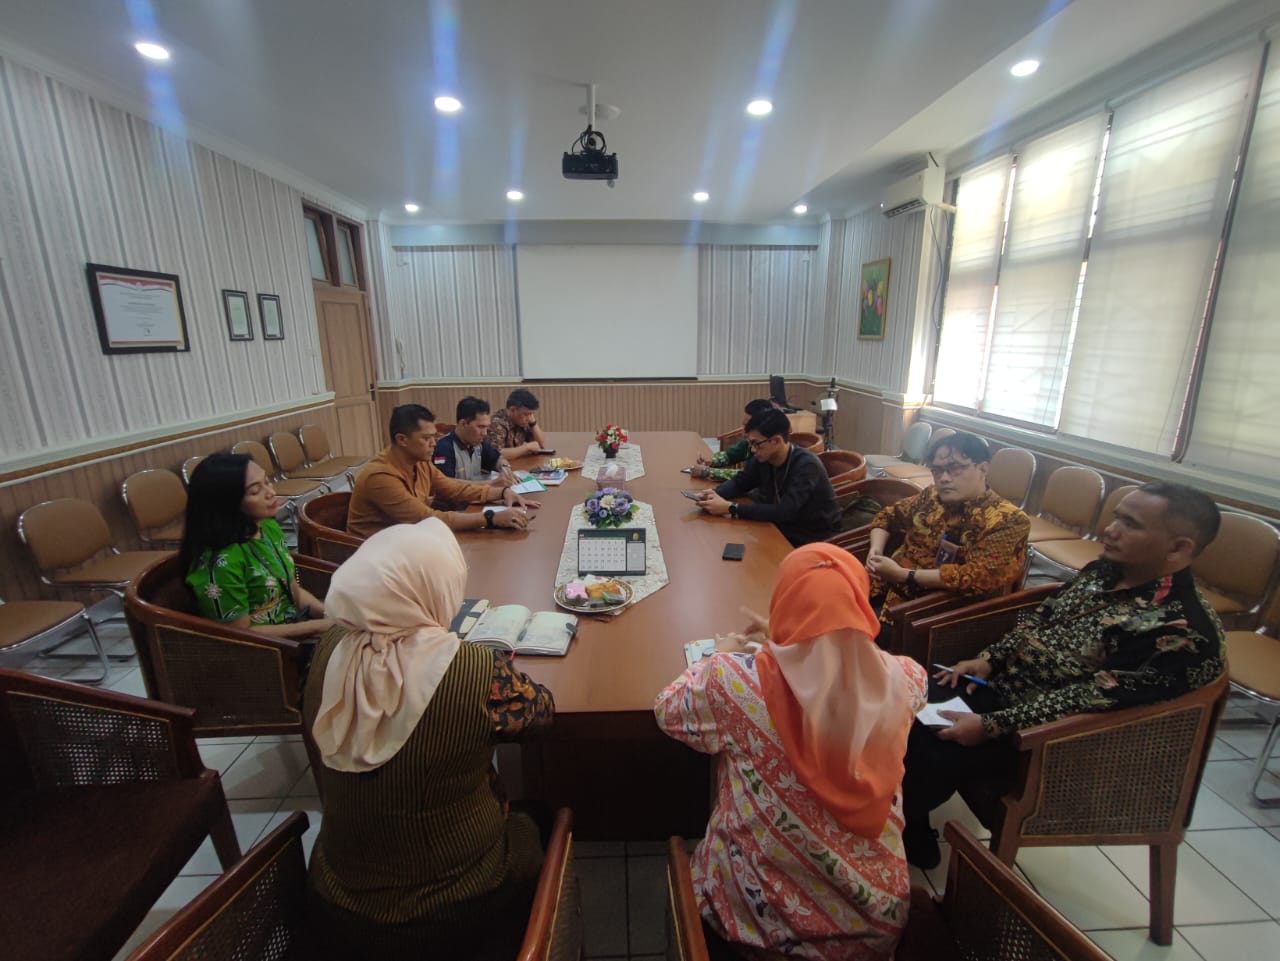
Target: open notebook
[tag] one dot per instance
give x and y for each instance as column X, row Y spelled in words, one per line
column 513, row 627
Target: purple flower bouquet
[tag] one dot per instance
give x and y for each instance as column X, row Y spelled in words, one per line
column 610, row 507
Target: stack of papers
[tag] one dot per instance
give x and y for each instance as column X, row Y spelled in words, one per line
column 929, row 717
column 528, row 484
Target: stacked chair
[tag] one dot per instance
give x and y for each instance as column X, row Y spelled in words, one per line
column 1010, row 474
column 33, row 623
column 315, row 444
column 914, row 444
column 1069, row 505
column 291, row 461
column 189, row 466
column 157, row 502
column 293, row 491
column 1070, row 555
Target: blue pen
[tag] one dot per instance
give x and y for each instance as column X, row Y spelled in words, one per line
column 967, row 677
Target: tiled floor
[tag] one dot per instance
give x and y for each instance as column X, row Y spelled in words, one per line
column 1228, row 898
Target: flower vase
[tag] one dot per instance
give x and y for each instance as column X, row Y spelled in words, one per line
column 610, row 453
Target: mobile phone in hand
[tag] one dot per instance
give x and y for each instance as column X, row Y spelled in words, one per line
column 733, row 552
column 692, row 495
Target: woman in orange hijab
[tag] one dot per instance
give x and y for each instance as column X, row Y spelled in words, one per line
column 803, row 853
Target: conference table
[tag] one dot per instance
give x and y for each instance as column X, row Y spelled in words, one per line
column 605, row 756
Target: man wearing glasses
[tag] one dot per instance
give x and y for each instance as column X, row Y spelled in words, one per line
column 788, row 485
column 399, row 484
column 957, row 535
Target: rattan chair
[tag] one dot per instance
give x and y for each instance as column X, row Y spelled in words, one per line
column 554, row 932
column 315, row 444
column 292, row 491
column 1253, row 661
column 1010, row 474
column 26, row 624
column 914, row 444
column 1069, row 505
column 843, row 466
column 1070, row 556
column 291, row 460
column 103, row 800
column 157, row 502
column 238, row 682
column 1119, row 777
column 189, row 467
column 71, row 545
column 685, row 938
column 988, row 913
column 810, row 442
column 322, row 528
column 1237, row 571
column 727, row 440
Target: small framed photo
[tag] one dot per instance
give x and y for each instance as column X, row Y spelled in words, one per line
column 235, row 304
column 272, row 319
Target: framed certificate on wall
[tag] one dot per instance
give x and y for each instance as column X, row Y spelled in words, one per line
column 272, row 320
column 138, row 311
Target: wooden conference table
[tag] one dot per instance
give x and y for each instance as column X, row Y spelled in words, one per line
column 605, row 756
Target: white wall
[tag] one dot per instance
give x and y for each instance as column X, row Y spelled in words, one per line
column 81, row 181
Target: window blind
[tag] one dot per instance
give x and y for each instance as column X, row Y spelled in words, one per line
column 1161, row 208
column 975, row 256
column 1238, row 408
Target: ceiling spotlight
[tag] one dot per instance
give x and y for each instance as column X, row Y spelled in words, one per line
column 701, row 197
column 800, row 209
column 760, row 108
column 411, row 208
column 448, row 104
column 1025, row 68
column 152, row 51
column 515, row 195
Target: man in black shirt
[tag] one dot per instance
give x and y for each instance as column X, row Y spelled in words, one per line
column 788, row 485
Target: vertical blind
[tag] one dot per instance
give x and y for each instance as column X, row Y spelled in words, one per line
column 1236, row 413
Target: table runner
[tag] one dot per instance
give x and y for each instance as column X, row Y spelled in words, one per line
column 655, row 577
column 628, row 457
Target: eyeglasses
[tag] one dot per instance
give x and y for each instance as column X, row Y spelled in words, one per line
column 757, row 444
column 953, row 469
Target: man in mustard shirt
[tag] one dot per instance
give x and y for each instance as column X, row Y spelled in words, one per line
column 397, row 487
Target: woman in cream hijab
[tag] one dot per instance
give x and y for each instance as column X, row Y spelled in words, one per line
column 416, row 856
column 803, row 853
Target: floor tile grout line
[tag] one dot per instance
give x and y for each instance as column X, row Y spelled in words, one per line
column 1228, row 879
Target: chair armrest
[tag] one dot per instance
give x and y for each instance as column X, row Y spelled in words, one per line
column 962, row 632
column 901, row 616
column 555, row 917
column 314, row 573
column 77, row 735
column 684, row 921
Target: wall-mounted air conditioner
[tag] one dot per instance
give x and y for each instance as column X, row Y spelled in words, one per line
column 914, row 193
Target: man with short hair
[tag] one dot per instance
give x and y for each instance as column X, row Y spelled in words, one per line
column 957, row 535
column 465, row 452
column 788, row 485
column 515, row 431
column 398, row 485
column 1130, row 629
column 726, row 463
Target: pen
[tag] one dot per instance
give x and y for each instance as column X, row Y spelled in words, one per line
column 967, row 677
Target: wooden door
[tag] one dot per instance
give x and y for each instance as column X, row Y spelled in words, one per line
column 346, row 346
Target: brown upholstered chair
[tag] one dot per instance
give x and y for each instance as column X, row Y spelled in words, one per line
column 1253, row 661
column 291, row 460
column 843, row 466
column 1011, row 472
column 322, row 528
column 103, row 800
column 315, row 444
column 1119, row 777
column 917, row 475
column 257, row 910
column 72, row 548
column 914, row 444
column 1069, row 505
column 238, row 682
column 292, row 491
column 988, row 913
column 29, row 623
column 1070, row 556
column 1237, row 572
column 189, row 467
column 157, row 502
column 810, row 442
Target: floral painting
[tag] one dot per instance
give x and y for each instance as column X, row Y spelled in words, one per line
column 873, row 300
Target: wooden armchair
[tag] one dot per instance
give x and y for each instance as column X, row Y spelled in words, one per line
column 322, row 528
column 685, row 939
column 554, row 932
column 1118, row 777
column 103, row 799
column 988, row 913
column 236, row 681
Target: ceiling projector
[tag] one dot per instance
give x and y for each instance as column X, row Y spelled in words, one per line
column 587, row 159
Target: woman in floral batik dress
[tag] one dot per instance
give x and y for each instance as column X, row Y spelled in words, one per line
column 803, row 854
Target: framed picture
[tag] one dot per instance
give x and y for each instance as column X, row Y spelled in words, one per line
column 235, row 304
column 138, row 311
column 272, row 320
column 873, row 300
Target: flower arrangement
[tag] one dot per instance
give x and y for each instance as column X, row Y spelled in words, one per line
column 610, row 507
column 611, row 438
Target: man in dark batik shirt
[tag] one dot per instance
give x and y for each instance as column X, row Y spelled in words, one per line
column 1130, row 629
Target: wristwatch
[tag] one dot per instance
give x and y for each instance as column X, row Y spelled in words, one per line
column 733, row 511
column 911, row 577
column 488, row 518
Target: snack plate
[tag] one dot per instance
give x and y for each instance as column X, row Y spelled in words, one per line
column 583, row 607
column 564, row 464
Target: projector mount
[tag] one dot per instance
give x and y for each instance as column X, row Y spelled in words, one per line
column 586, row 159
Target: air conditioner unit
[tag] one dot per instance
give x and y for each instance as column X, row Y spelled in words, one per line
column 914, row 193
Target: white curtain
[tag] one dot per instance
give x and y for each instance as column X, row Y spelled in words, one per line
column 975, row 257
column 1165, row 185
column 1239, row 404
column 1052, row 200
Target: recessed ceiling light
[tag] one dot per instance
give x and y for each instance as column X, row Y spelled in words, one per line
column 515, row 195
column 448, row 104
column 411, row 208
column 152, row 51
column 701, row 196
column 759, row 108
column 1025, row 68
column 800, row 209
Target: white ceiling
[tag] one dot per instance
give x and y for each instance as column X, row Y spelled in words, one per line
column 341, row 91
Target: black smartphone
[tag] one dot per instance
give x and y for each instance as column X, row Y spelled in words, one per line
column 547, row 451
column 693, row 495
column 733, row 552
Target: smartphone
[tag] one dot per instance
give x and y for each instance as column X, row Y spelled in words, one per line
column 733, row 552
column 686, row 470
column 693, row 495
column 547, row 451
